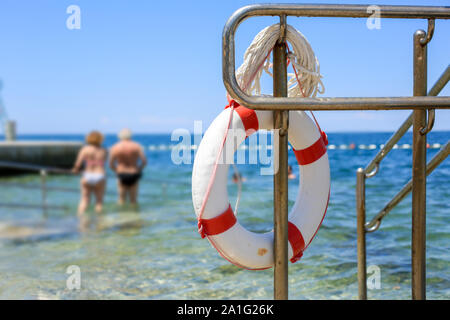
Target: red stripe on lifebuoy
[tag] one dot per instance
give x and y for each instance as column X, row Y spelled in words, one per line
column 248, row 117
column 297, row 242
column 217, row 225
column 311, row 154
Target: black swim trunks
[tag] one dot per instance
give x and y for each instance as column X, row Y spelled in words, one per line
column 129, row 179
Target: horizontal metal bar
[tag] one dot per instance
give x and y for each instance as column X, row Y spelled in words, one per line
column 29, row 186
column 39, row 187
column 384, row 103
column 32, row 167
column 434, row 91
column 322, row 10
column 38, row 168
column 32, row 206
column 339, row 10
column 433, row 164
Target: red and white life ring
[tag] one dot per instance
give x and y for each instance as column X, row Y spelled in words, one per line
column 218, row 223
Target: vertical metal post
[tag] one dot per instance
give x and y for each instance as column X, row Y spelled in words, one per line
column 44, row 192
column 418, row 258
column 361, row 232
column 280, row 185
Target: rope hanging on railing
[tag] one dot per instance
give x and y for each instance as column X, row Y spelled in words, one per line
column 304, row 82
column 302, row 57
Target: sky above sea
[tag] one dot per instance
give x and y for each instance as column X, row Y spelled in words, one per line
column 155, row 66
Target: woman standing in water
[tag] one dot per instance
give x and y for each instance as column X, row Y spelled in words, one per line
column 93, row 179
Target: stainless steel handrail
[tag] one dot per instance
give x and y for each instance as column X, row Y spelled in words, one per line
column 43, row 186
column 32, row 206
column 435, row 90
column 418, row 232
column 34, row 167
column 374, row 224
column 43, row 171
column 39, row 168
column 323, row 10
column 419, row 102
column 49, row 188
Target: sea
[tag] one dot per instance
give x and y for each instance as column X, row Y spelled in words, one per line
column 155, row 251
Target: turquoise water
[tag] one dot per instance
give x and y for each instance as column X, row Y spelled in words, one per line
column 156, row 252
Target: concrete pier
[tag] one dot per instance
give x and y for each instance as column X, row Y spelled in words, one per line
column 59, row 154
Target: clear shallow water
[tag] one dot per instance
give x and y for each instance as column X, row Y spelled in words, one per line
column 156, row 253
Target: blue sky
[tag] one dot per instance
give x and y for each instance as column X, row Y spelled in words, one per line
column 155, row 66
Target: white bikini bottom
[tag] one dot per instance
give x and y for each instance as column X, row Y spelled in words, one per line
column 93, row 178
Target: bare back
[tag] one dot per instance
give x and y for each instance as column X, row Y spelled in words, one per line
column 93, row 158
column 125, row 156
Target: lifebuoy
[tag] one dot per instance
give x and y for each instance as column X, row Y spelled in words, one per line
column 218, row 223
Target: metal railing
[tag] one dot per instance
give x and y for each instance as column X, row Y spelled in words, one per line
column 325, row 10
column 44, row 188
column 371, row 170
column 280, row 104
column 44, row 172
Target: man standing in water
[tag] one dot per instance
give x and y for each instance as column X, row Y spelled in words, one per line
column 127, row 159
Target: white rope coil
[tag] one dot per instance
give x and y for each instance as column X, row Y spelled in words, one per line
column 302, row 57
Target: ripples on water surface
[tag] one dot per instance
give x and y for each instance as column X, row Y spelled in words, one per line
column 156, row 253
